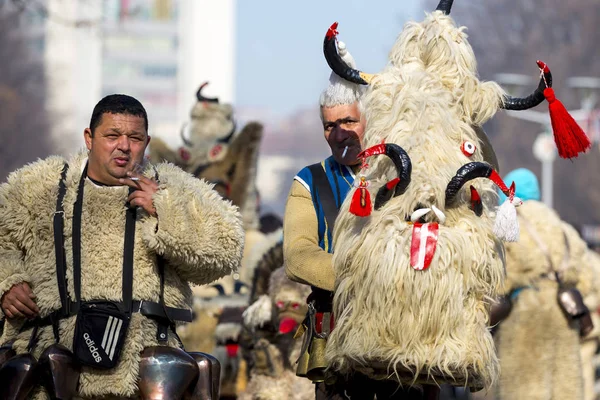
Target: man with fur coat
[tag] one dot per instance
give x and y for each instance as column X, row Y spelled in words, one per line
column 179, row 219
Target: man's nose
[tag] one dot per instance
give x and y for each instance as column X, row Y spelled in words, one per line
column 123, row 143
column 339, row 134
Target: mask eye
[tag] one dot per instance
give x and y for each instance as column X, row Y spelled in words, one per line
column 468, row 148
column 280, row 304
column 295, row 306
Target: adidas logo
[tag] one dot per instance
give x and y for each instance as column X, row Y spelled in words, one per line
column 92, row 347
column 111, row 336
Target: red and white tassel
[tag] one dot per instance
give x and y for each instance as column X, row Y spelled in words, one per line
column 570, row 139
column 506, row 225
column 361, row 200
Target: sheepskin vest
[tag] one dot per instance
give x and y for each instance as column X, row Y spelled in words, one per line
column 199, row 235
column 340, row 178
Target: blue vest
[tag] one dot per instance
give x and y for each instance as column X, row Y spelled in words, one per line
column 340, row 179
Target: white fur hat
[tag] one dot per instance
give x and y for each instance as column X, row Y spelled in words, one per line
column 340, row 91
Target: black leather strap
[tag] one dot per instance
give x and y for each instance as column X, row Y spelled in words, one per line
column 324, row 193
column 128, row 256
column 154, row 310
column 162, row 334
column 59, row 248
column 148, row 309
column 127, row 247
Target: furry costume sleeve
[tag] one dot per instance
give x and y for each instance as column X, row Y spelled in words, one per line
column 197, row 231
column 16, row 225
column 304, row 260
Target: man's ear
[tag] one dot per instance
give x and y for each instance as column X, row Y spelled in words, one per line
column 87, row 135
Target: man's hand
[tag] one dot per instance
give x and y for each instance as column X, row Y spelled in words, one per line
column 146, row 188
column 19, row 302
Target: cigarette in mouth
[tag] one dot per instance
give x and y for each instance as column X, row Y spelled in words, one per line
column 345, row 151
column 134, row 178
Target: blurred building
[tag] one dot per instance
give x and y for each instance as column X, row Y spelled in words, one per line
column 158, row 51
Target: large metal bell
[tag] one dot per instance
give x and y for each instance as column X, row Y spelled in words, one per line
column 316, row 362
column 6, row 353
column 209, row 379
column 17, row 377
column 166, row 373
column 302, row 367
column 60, row 372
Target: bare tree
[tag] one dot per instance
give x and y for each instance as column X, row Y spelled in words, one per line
column 509, row 36
column 24, row 123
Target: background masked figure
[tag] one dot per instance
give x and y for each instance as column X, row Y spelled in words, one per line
column 538, row 343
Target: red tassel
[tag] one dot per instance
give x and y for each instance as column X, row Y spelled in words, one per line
column 569, row 137
column 361, row 201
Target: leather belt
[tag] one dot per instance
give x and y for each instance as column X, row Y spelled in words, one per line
column 148, row 309
column 151, row 309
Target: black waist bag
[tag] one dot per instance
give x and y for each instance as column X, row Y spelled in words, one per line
column 100, row 332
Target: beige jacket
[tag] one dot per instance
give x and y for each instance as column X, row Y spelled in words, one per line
column 199, row 234
column 305, row 262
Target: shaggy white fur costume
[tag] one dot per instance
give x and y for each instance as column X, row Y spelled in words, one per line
column 537, row 344
column 426, row 325
column 199, row 234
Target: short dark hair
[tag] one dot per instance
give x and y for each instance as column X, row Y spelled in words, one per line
column 118, row 104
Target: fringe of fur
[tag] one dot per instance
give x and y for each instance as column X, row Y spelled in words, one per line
column 258, row 313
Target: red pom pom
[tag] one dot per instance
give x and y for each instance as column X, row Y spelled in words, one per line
column 569, row 137
column 361, row 202
column 232, row 349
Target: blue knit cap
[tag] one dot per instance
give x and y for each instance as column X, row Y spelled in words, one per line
column 527, row 186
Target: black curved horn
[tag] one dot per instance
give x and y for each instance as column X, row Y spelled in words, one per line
column 205, row 99
column 338, row 65
column 525, row 103
column 227, row 139
column 185, row 140
column 469, row 172
column 403, row 165
column 445, row 6
column 219, row 288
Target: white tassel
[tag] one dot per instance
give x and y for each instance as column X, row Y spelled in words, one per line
column 258, row 313
column 506, row 226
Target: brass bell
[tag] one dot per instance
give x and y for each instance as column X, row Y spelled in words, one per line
column 316, row 362
column 302, row 367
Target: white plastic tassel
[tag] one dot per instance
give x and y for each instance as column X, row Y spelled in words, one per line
column 506, row 226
